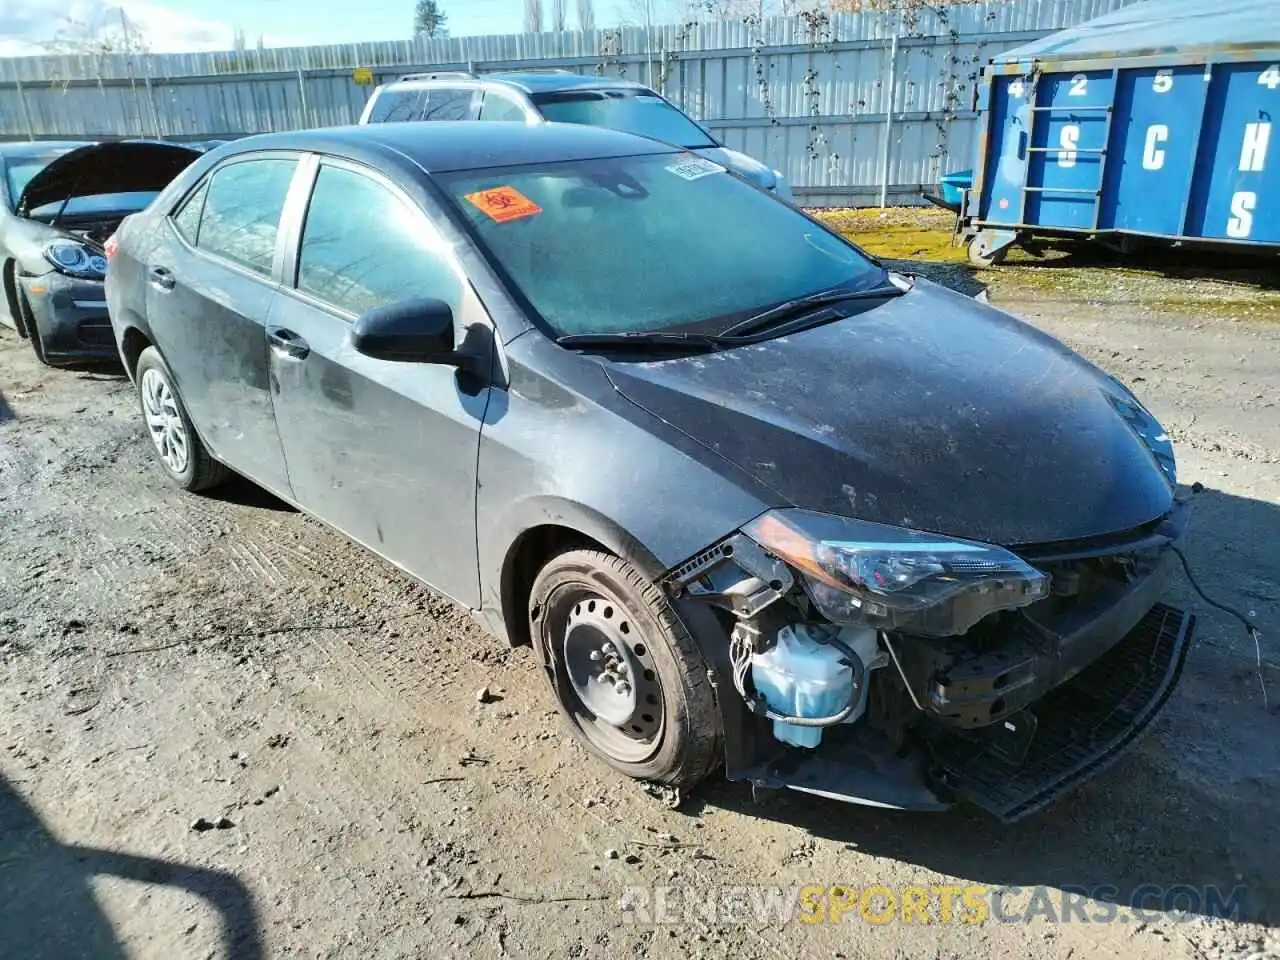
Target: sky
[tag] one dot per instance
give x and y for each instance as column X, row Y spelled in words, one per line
column 175, row 25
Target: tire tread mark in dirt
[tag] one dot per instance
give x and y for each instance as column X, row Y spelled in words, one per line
column 354, row 655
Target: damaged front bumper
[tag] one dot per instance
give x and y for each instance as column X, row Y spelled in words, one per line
column 70, row 318
column 1013, row 770
column 1006, row 717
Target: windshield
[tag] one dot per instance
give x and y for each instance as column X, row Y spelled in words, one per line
column 19, row 171
column 649, row 243
column 100, row 204
column 627, row 110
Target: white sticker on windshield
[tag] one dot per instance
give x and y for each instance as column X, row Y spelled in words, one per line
column 695, row 168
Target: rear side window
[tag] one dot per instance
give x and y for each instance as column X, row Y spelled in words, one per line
column 422, row 103
column 242, row 211
column 448, row 103
column 363, row 247
column 187, row 219
column 395, row 106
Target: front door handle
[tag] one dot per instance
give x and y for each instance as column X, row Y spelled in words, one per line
column 162, row 277
column 288, row 343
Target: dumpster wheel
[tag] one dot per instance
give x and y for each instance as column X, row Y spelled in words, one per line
column 980, row 253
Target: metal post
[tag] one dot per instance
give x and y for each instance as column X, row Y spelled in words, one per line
column 26, row 112
column 302, row 93
column 648, row 40
column 888, row 123
column 155, row 111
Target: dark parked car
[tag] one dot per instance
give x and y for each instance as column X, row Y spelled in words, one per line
column 753, row 498
column 61, row 200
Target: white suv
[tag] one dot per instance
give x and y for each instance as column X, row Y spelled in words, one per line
column 559, row 97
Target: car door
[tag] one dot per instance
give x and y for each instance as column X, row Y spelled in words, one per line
column 384, row 451
column 211, row 282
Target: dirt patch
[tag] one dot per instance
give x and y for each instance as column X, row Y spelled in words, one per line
column 227, row 731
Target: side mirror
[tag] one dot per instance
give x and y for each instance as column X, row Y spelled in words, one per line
column 411, row 331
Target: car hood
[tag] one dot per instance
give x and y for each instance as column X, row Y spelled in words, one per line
column 126, row 166
column 747, row 167
column 928, row 411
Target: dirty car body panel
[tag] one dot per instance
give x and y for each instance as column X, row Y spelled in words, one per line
column 819, row 446
column 63, row 200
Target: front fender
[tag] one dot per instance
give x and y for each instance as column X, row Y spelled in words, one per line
column 583, row 460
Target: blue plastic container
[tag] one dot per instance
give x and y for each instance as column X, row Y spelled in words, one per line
column 800, row 677
column 1161, row 120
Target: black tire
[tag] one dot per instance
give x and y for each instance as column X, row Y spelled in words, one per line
column 27, row 326
column 198, row 470
column 681, row 741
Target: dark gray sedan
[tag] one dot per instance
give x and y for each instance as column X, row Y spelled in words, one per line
column 61, row 201
column 755, row 500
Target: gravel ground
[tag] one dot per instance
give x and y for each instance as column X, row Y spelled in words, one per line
column 226, row 731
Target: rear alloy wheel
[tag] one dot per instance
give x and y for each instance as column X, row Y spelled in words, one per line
column 627, row 674
column 179, row 450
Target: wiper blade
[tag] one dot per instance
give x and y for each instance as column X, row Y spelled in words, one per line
column 802, row 306
column 642, row 338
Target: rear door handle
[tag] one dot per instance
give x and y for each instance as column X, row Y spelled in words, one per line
column 288, row 343
column 162, row 277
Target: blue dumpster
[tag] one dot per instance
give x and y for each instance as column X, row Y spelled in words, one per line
column 1161, row 120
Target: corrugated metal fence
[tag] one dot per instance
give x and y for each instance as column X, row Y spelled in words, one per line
column 850, row 107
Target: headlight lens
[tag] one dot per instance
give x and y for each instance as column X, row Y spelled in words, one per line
column 862, row 573
column 76, row 259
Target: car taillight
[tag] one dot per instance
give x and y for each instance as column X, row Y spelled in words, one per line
column 110, row 247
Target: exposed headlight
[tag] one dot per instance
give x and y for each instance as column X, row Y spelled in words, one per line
column 874, row 575
column 76, row 259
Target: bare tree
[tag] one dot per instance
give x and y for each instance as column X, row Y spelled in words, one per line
column 560, row 15
column 80, row 37
column 532, row 16
column 586, row 14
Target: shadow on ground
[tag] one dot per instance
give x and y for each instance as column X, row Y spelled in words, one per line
column 6, row 411
column 246, row 493
column 48, row 910
column 1180, row 263
column 1168, row 821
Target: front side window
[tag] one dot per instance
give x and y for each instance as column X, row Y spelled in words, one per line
column 643, row 114
column 649, row 243
column 498, row 107
column 242, row 211
column 364, row 247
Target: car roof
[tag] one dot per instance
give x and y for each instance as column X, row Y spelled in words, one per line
column 529, row 81
column 443, row 146
column 533, row 82
column 38, row 148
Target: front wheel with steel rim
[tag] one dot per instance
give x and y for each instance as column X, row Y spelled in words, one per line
column 177, row 446
column 628, row 676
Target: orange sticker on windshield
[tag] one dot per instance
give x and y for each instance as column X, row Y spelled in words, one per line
column 504, row 203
